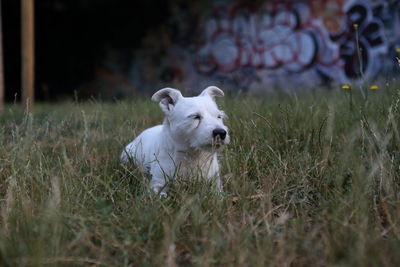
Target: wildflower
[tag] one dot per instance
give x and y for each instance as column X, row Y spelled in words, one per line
column 355, row 25
column 374, row 87
column 346, row 87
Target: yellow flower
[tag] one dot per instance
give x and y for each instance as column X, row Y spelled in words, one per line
column 355, row 25
column 398, row 50
column 346, row 87
column 374, row 87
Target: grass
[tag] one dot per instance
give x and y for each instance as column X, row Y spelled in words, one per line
column 309, row 181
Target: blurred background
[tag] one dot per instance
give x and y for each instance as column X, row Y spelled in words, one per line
column 123, row 48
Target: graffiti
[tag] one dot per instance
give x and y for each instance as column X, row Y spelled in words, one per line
column 279, row 44
column 323, row 40
column 372, row 43
column 267, row 41
column 331, row 13
column 389, row 13
column 277, row 38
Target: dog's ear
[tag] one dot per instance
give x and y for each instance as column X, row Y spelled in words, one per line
column 167, row 98
column 213, row 92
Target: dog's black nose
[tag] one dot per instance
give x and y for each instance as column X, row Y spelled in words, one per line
column 219, row 132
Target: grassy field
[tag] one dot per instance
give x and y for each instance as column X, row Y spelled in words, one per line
column 309, row 180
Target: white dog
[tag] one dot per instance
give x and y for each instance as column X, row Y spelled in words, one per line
column 185, row 144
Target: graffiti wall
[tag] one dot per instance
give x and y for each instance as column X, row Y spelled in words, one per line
column 290, row 45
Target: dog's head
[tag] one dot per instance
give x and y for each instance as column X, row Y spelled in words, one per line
column 194, row 122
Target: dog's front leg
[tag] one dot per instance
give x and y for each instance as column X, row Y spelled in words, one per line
column 218, row 184
column 158, row 182
column 158, row 185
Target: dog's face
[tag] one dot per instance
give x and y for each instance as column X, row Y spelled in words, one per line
column 194, row 122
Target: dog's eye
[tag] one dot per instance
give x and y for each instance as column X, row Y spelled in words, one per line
column 195, row 116
column 220, row 117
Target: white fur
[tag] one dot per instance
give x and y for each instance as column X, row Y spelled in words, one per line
column 184, row 144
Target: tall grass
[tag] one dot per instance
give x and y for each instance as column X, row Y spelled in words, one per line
column 307, row 180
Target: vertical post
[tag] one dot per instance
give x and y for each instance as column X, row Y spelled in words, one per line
column 28, row 54
column 2, row 90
